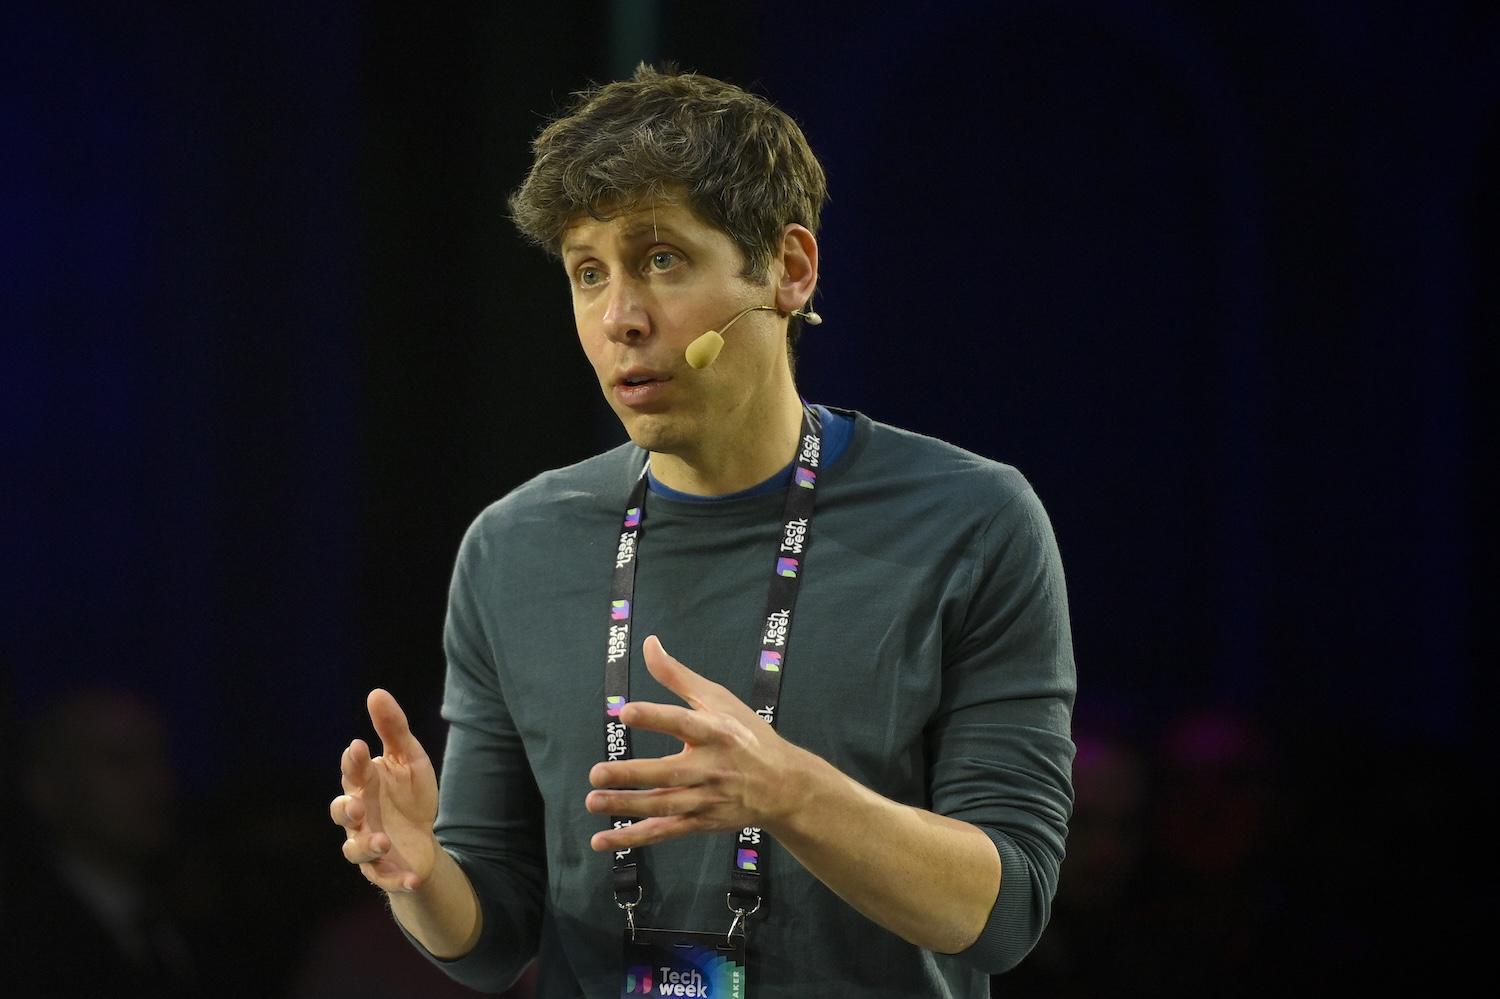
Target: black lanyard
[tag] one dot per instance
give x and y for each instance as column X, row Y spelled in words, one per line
column 749, row 864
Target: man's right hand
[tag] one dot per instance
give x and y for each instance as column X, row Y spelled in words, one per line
column 389, row 802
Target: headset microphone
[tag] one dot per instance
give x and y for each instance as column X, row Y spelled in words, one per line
column 705, row 349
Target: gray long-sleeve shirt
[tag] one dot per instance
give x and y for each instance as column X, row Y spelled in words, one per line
column 930, row 660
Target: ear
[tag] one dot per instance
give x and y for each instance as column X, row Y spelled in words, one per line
column 799, row 268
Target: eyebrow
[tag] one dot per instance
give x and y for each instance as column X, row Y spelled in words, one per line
column 643, row 232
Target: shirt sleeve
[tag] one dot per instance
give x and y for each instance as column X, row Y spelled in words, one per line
column 489, row 808
column 1000, row 747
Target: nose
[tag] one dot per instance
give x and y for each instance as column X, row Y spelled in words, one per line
column 626, row 317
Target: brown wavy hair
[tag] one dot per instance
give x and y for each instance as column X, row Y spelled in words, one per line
column 742, row 163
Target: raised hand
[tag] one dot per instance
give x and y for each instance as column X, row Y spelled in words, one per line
column 732, row 771
column 389, row 802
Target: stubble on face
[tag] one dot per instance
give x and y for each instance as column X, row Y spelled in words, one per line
column 639, row 309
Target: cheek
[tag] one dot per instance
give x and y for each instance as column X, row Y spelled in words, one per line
column 759, row 353
column 586, row 328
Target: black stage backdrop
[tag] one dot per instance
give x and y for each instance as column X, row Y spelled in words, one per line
column 1220, row 279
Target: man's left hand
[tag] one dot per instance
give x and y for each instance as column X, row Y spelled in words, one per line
column 733, row 771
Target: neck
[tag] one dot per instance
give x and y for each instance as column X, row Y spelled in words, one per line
column 733, row 461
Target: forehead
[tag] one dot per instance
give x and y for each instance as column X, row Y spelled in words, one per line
column 663, row 220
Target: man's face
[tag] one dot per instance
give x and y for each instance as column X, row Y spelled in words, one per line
column 645, row 285
column 108, row 790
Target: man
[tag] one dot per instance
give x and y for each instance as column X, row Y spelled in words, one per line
column 833, row 657
column 91, row 916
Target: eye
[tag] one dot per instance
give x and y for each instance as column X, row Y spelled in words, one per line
column 663, row 260
column 589, row 276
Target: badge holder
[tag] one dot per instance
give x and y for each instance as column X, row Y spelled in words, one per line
column 685, row 963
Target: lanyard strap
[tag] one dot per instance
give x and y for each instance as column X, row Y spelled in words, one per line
column 749, row 863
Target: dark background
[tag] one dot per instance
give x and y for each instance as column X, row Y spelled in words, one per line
column 1220, row 279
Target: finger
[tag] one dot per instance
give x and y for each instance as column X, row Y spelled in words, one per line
column 404, row 881
column 672, row 674
column 648, row 831
column 347, row 811
column 685, row 724
column 354, row 766
column 366, row 849
column 390, row 723
column 678, row 770
column 668, row 771
column 652, row 802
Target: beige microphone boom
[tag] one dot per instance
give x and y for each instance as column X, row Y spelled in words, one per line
column 705, row 349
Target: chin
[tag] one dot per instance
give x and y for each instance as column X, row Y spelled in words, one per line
column 657, row 432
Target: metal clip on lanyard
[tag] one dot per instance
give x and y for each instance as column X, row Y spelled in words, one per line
column 749, row 865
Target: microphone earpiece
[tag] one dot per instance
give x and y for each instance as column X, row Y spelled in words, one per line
column 705, row 349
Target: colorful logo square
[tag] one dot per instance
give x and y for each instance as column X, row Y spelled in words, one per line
column 633, row 517
column 770, row 661
column 806, row 478
column 619, row 610
column 746, row 860
column 638, row 980
column 613, row 704
column 786, row 567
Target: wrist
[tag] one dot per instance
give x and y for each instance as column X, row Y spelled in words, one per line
column 803, row 782
column 442, row 912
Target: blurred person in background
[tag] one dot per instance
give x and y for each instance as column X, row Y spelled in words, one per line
column 91, row 913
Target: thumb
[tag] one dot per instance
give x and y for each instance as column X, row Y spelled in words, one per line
column 390, row 724
column 676, row 677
